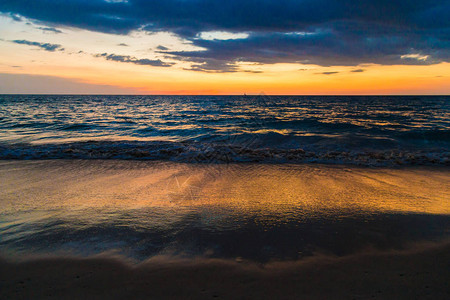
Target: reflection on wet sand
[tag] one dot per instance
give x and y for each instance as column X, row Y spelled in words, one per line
column 258, row 212
column 280, row 189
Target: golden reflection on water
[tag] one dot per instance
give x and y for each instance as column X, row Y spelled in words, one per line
column 281, row 190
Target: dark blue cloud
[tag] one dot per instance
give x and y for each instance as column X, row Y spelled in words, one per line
column 346, row 32
column 96, row 15
column 44, row 46
column 326, row 47
column 235, row 15
column 134, row 60
column 50, row 29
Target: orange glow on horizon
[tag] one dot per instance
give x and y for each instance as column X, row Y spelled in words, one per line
column 375, row 79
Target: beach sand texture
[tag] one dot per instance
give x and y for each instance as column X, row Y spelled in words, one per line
column 31, row 191
column 421, row 273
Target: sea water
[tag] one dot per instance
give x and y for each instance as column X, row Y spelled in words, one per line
column 363, row 130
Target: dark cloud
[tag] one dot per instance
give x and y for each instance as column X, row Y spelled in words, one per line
column 44, row 46
column 122, row 44
column 218, row 67
column 357, row 71
column 134, row 60
column 210, row 65
column 50, row 29
column 328, row 73
column 214, row 68
column 325, row 47
column 96, row 15
column 162, row 48
column 15, row 17
column 322, row 32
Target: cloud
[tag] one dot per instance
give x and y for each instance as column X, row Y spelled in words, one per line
column 123, row 45
column 325, row 47
column 197, row 16
column 162, row 48
column 44, row 46
column 415, row 56
column 134, row 60
column 211, row 65
column 328, row 73
column 50, row 29
column 221, row 35
column 321, row 32
column 219, row 67
column 358, row 71
column 16, row 17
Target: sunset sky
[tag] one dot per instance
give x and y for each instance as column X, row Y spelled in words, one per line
column 225, row 47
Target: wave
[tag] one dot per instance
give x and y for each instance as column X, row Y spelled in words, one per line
column 211, row 152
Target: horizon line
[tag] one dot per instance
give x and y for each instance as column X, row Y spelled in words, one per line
column 221, row 95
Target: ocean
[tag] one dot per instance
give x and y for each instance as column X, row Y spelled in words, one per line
column 360, row 130
column 257, row 178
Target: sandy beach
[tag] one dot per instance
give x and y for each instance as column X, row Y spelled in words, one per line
column 97, row 229
column 420, row 273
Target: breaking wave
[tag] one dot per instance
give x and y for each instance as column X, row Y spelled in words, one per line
column 197, row 152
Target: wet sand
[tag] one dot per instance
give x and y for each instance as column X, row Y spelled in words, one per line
column 279, row 188
column 94, row 193
column 421, row 273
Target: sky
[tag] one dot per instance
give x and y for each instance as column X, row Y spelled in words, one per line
column 225, row 47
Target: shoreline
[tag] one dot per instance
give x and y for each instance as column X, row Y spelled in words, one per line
column 223, row 153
